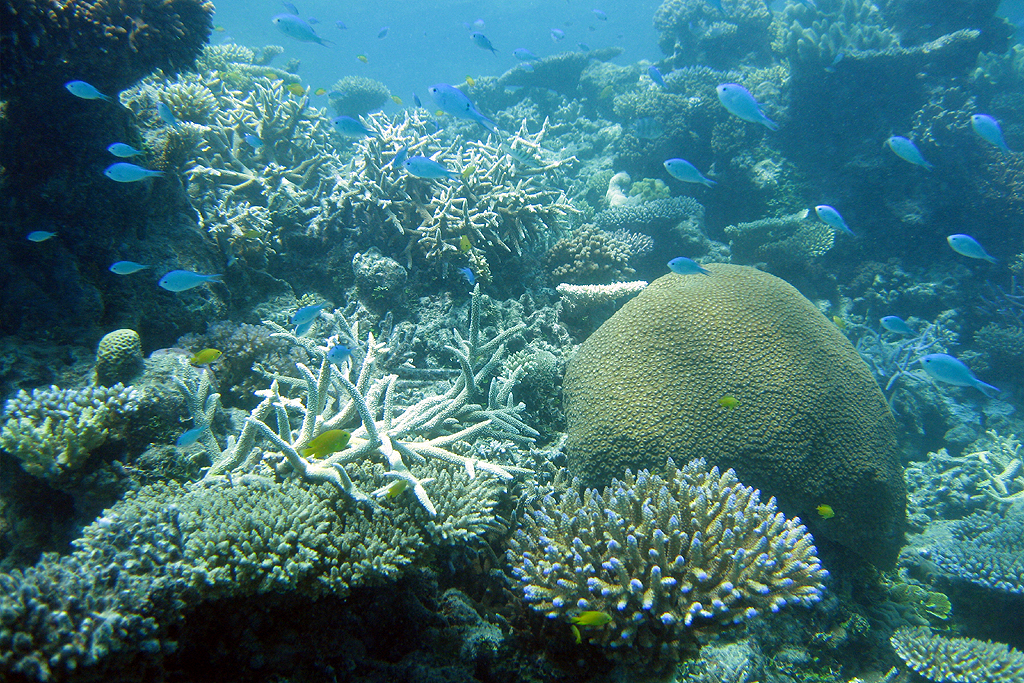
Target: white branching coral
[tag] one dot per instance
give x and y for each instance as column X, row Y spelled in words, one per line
column 441, row 428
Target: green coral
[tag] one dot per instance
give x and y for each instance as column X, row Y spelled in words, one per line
column 53, row 431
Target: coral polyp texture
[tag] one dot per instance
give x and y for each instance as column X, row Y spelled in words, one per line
column 52, row 431
column 985, row 548
column 810, row 423
column 957, row 660
column 112, row 44
column 662, row 555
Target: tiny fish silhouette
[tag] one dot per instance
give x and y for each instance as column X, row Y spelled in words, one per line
column 165, row 113
column 181, row 280
column 123, row 172
column 482, row 41
column 988, row 130
column 683, row 170
column 523, row 55
column 351, row 128
column 422, row 167
column 467, row 275
column 896, row 324
column 950, row 370
column 298, row 28
column 190, row 437
column 656, row 76
column 40, row 235
column 833, row 218
column 126, row 267
column 338, row 353
column 119, row 149
column 684, row 266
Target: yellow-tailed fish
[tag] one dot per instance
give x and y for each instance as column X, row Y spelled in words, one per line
column 576, row 634
column 438, row 113
column 840, row 323
column 219, row 29
column 825, row 511
column 363, row 58
column 728, row 402
column 295, row 89
column 470, row 81
column 250, row 234
column 468, row 171
column 397, row 100
column 592, row 619
column 606, row 93
column 320, row 91
column 328, row 442
column 205, row 357
column 464, row 244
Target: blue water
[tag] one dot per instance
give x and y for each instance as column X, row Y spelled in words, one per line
column 428, row 42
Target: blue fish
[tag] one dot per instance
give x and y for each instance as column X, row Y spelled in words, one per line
column 399, row 157
column 832, row 217
column 907, row 150
column 523, row 55
column 298, row 28
column 165, row 114
column 683, row 170
column 467, row 275
column 302, row 328
column 684, row 266
column 656, row 76
column 988, row 130
column 340, row 24
column 717, row 4
column 180, row 280
column 307, row 314
column 40, row 235
column 647, row 128
column 896, row 324
column 124, row 172
column 383, row 31
column 738, row 101
column 338, row 353
column 126, row 267
column 583, row 47
column 312, row 20
column 190, row 437
column 946, row 368
column 422, row 167
column 253, row 140
column 482, row 41
column 969, row 247
column 86, row 91
column 290, row 7
column 352, row 128
column 416, row 100
column 600, row 15
column 557, row 34
column 835, row 60
column 119, row 149
column 454, row 102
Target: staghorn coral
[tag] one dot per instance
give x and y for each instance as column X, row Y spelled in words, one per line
column 589, row 256
column 661, row 555
column 358, row 96
column 780, row 241
column 500, row 203
column 957, row 660
column 53, row 431
column 811, row 424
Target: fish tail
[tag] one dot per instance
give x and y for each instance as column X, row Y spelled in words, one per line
column 488, row 124
column 771, row 125
column 325, row 42
column 709, row 182
column 219, row 277
column 987, row 389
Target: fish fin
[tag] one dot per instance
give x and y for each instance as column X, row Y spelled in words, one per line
column 987, row 389
column 488, row 124
column 771, row 125
column 216, row 278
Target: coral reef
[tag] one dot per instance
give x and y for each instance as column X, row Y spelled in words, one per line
column 53, row 431
column 697, row 32
column 660, row 555
column 984, row 548
column 811, row 425
column 118, row 357
column 589, row 296
column 957, row 660
column 589, row 256
column 357, row 96
column 780, row 242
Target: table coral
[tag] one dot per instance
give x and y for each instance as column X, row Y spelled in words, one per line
column 957, row 660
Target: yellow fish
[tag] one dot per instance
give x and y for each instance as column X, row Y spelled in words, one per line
column 219, row 29
column 363, row 59
column 396, row 489
column 464, row 244
column 328, row 442
column 397, row 100
column 320, row 91
column 470, row 81
column 576, row 634
column 606, row 93
column 250, row 234
column 825, row 511
column 840, row 323
column 205, row 357
column 295, row 89
column 592, row 619
column 728, row 402
column 468, row 171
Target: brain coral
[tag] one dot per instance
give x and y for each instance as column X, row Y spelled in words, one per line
column 118, row 357
column 811, row 425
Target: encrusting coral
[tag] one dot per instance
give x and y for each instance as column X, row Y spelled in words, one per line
column 661, row 556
